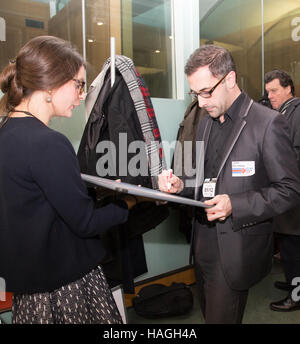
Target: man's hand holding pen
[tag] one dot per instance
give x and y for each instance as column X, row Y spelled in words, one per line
column 168, row 182
column 220, row 205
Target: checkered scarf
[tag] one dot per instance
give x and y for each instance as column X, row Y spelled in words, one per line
column 145, row 112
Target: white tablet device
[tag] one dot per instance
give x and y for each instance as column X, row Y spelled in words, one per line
column 141, row 191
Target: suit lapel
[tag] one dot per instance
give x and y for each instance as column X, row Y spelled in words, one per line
column 237, row 129
column 200, row 163
column 206, row 133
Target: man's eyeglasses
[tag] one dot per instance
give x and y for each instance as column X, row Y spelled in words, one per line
column 79, row 86
column 206, row 94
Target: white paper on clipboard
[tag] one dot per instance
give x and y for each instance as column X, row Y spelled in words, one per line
column 141, row 191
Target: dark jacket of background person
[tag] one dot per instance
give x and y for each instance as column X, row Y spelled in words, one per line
column 49, row 228
column 186, row 132
column 289, row 222
column 264, row 100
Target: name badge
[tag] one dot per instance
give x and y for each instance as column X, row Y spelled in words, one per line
column 209, row 187
column 243, row 168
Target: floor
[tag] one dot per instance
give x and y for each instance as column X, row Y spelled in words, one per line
column 257, row 309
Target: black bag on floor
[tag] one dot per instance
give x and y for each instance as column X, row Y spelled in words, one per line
column 158, row 300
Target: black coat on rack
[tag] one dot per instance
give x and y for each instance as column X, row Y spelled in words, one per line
column 114, row 113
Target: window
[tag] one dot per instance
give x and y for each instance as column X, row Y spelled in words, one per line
column 236, row 26
column 147, row 40
column 282, row 38
column 142, row 30
column 24, row 20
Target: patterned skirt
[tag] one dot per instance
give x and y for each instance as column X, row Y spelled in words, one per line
column 85, row 301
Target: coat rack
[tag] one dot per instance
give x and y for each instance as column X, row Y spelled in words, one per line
column 112, row 60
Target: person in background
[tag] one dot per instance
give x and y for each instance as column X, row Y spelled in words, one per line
column 251, row 175
column 50, row 232
column 264, row 100
column 281, row 92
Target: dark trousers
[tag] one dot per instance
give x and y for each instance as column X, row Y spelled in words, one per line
column 289, row 255
column 219, row 303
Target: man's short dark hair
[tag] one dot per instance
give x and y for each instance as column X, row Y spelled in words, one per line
column 218, row 59
column 283, row 77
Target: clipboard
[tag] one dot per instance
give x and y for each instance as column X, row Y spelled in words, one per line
column 141, row 191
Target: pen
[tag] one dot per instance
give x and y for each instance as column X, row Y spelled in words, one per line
column 168, row 179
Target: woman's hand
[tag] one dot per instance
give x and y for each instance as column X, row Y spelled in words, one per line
column 130, row 200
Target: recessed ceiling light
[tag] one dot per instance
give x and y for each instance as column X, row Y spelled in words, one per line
column 157, row 51
column 90, row 40
column 99, row 23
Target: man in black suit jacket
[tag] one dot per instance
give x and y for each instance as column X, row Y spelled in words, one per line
column 251, row 174
column 281, row 92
